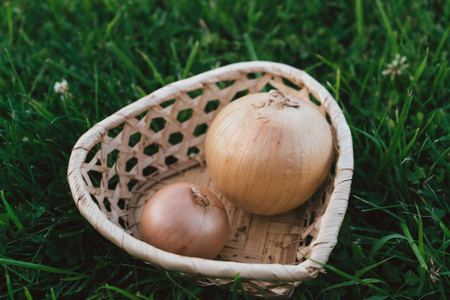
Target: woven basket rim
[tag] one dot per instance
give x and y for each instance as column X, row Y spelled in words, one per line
column 331, row 220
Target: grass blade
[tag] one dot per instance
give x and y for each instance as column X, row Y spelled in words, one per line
column 361, row 272
column 380, row 243
column 420, row 70
column 69, row 72
column 52, row 292
column 420, row 239
column 181, row 287
column 42, row 110
column 11, row 213
column 120, row 291
column 444, row 228
column 10, row 23
column 16, row 75
column 112, row 23
column 388, row 26
column 27, row 293
column 395, row 140
column 357, row 280
column 359, row 17
column 250, row 48
column 441, row 44
column 22, row 275
column 363, row 88
column 9, row 261
column 379, row 142
column 126, row 61
column 378, row 207
column 410, row 144
column 236, row 287
column 430, row 121
column 152, row 66
column 338, row 84
column 190, row 60
column 350, row 283
column 176, row 62
column 97, row 115
column 75, row 278
column 8, row 284
column 326, row 61
column 436, row 151
column 413, row 245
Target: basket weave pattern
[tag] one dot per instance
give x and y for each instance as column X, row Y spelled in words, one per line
column 121, row 161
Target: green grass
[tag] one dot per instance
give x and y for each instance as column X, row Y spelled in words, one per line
column 395, row 239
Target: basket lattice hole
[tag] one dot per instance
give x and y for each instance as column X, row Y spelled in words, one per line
column 93, row 154
column 105, row 205
column 151, row 149
column 192, row 151
column 323, row 199
column 328, row 118
column 149, row 171
column 333, row 168
column 310, row 220
column 95, row 178
column 170, row 160
column 112, row 158
column 314, row 100
column 184, row 115
column 195, row 93
column 240, row 94
column 113, row 132
column 134, row 139
column 142, row 115
column 175, row 138
column 122, row 223
column 289, row 83
column 254, row 75
column 167, row 103
column 121, row 203
column 200, row 129
column 158, row 124
column 131, row 184
column 112, row 182
column 308, row 241
column 130, row 164
column 226, row 83
column 211, row 106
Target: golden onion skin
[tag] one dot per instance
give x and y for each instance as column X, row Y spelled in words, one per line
column 176, row 220
column 269, row 159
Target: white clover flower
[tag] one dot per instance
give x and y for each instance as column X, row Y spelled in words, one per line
column 61, row 87
column 396, row 67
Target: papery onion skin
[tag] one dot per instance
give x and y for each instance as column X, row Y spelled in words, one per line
column 269, row 158
column 175, row 219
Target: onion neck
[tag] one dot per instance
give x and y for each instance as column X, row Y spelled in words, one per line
column 200, row 198
column 279, row 100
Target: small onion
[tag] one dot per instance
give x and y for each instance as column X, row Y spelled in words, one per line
column 269, row 152
column 186, row 219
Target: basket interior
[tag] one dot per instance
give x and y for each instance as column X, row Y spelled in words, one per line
column 165, row 143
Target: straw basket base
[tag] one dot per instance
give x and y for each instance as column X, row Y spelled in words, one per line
column 280, row 239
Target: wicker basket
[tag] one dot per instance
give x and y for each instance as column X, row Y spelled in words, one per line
column 121, row 161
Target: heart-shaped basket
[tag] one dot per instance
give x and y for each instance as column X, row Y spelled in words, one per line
column 121, row 161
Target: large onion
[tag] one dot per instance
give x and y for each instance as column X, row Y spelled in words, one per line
column 186, row 219
column 269, row 152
